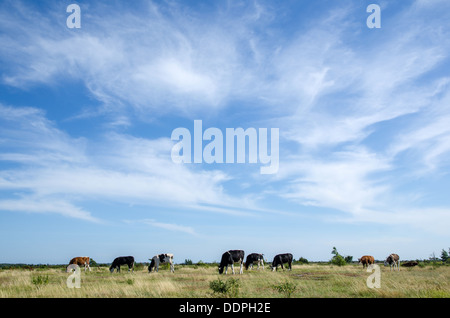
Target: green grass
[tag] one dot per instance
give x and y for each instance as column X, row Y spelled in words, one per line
column 310, row 280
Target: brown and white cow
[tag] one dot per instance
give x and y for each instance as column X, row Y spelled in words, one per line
column 366, row 260
column 393, row 260
column 81, row 261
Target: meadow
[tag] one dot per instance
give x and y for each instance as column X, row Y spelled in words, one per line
column 304, row 281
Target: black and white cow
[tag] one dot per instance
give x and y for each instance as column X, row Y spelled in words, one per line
column 254, row 258
column 229, row 258
column 122, row 260
column 161, row 259
column 280, row 259
column 393, row 260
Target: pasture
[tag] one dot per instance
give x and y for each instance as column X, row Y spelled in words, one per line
column 308, row 280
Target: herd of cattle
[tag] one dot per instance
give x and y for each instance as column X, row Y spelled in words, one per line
column 229, row 258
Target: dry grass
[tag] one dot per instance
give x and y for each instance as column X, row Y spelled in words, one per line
column 187, row 282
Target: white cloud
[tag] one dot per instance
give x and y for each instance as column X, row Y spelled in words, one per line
column 167, row 226
column 46, row 205
column 48, row 163
column 326, row 95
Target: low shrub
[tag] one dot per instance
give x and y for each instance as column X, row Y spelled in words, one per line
column 229, row 288
column 286, row 288
column 39, row 280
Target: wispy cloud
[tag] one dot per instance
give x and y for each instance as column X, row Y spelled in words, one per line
column 46, row 163
column 30, row 204
column 350, row 104
column 166, row 226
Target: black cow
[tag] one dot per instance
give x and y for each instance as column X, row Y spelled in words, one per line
column 280, row 259
column 229, row 258
column 122, row 260
column 254, row 258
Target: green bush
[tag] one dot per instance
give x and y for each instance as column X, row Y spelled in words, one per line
column 338, row 260
column 39, row 280
column 229, row 288
column 202, row 264
column 286, row 288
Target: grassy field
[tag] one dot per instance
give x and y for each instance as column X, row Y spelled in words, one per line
column 189, row 281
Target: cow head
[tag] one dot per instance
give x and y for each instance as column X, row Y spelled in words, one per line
column 111, row 269
column 273, row 267
column 388, row 260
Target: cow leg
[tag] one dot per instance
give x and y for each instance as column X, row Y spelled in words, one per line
column 232, row 268
column 172, row 268
column 241, row 269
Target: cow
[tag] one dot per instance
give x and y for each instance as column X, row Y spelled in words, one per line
column 122, row 260
column 393, row 260
column 410, row 264
column 229, row 258
column 281, row 259
column 254, row 258
column 80, row 261
column 161, row 259
column 366, row 260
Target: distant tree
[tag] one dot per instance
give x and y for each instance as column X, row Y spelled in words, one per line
column 348, row 259
column 188, row 262
column 334, row 251
column 433, row 257
column 444, row 255
column 92, row 262
column 337, row 259
column 303, row 260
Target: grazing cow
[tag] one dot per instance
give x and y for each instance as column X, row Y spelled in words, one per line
column 281, row 259
column 393, row 260
column 81, row 261
column 366, row 260
column 161, row 259
column 410, row 264
column 229, row 258
column 122, row 260
column 254, row 258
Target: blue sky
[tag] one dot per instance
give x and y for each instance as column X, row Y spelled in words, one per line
column 86, row 117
